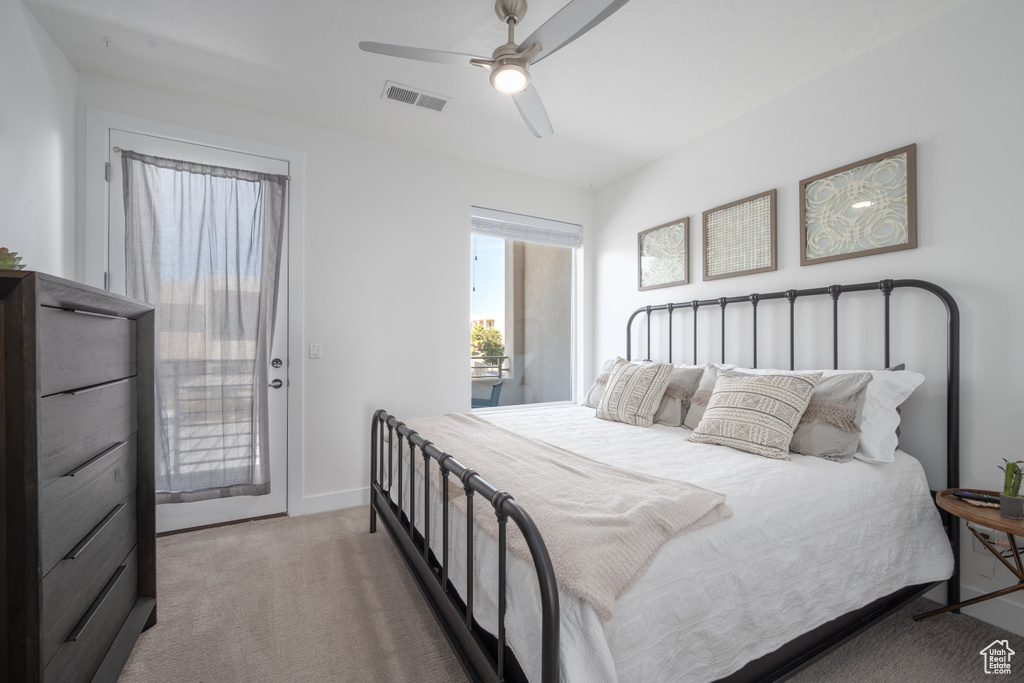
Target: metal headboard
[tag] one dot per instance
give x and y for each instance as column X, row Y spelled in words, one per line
column 885, row 288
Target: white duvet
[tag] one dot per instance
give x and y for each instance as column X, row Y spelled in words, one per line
column 809, row 540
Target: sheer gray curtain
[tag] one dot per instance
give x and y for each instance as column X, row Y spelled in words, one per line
column 203, row 244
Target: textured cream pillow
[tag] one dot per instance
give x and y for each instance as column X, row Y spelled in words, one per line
column 634, row 392
column 831, row 426
column 756, row 413
column 700, row 398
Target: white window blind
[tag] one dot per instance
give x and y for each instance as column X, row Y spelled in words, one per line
column 514, row 226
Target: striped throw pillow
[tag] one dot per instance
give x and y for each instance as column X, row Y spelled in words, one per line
column 634, row 392
column 756, row 413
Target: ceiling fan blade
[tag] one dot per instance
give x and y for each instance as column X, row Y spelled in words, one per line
column 571, row 22
column 418, row 53
column 532, row 110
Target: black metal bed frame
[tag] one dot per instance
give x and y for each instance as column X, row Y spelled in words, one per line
column 486, row 658
column 481, row 657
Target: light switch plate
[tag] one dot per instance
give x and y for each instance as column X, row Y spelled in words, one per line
column 314, row 349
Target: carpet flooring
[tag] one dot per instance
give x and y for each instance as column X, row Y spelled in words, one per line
column 311, row 598
column 317, row 598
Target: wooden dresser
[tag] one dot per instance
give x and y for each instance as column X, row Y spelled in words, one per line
column 78, row 538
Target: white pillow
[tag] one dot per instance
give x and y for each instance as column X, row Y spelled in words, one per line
column 886, row 391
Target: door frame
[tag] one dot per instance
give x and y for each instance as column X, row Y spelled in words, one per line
column 91, row 243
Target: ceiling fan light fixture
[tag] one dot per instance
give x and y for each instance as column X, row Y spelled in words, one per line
column 509, row 64
column 510, row 78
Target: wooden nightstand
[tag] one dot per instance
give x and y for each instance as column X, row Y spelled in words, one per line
column 990, row 518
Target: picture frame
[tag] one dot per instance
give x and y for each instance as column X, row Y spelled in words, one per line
column 860, row 209
column 740, row 237
column 663, row 255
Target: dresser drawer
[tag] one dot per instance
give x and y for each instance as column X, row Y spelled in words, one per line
column 84, row 648
column 78, row 578
column 73, row 505
column 79, row 425
column 79, row 349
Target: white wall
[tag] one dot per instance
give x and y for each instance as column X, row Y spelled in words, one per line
column 952, row 86
column 37, row 144
column 387, row 246
column 386, row 275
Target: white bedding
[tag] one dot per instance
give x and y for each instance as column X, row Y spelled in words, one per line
column 809, row 540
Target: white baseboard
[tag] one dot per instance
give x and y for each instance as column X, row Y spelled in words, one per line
column 998, row 612
column 326, row 502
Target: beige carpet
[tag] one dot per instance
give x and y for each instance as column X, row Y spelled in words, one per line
column 942, row 649
column 317, row 598
column 312, row 598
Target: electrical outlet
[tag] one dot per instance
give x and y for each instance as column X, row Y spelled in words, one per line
column 989, row 535
column 314, row 349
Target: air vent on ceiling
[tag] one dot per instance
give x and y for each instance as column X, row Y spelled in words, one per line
column 403, row 93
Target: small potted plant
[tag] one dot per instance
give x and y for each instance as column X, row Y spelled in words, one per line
column 1011, row 503
column 9, row 260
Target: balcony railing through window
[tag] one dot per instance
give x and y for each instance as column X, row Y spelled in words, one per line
column 210, row 403
column 489, row 366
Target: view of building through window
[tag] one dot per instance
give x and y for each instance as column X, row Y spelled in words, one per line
column 521, row 314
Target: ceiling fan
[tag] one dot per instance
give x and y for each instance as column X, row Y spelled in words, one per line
column 510, row 63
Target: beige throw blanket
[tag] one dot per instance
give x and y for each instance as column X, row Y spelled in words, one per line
column 602, row 525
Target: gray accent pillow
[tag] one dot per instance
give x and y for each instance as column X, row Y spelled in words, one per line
column 682, row 383
column 699, row 400
column 634, row 392
column 592, row 399
column 830, row 427
column 756, row 413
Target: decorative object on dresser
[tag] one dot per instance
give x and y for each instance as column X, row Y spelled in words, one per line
column 9, row 260
column 79, row 538
column 867, row 207
column 739, row 237
column 663, row 255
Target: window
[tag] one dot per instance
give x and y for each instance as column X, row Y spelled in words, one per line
column 521, row 308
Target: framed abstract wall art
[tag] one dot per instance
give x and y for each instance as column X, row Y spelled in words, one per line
column 739, row 237
column 663, row 255
column 867, row 207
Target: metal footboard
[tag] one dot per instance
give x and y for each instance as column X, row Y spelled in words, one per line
column 455, row 616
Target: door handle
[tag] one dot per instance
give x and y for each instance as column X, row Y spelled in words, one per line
column 276, row 384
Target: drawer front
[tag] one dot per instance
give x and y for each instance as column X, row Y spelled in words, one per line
column 79, row 656
column 79, row 425
column 70, row 587
column 79, row 350
column 74, row 504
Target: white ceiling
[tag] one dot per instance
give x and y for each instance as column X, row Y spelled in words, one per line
column 655, row 75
